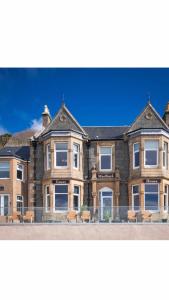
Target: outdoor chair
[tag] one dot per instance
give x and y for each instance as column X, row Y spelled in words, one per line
column 146, row 216
column 85, row 216
column 14, row 217
column 72, row 215
column 132, row 216
column 29, row 216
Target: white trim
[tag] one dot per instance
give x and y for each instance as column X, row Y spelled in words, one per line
column 105, row 170
column 21, row 201
column 152, row 183
column 136, row 167
column 149, row 132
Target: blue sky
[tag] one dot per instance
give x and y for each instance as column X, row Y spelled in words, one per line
column 95, row 96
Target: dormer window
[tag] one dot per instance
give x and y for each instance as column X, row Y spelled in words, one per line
column 105, row 158
column 151, row 153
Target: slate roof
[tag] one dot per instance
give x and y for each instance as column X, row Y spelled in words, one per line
column 105, row 132
column 18, row 152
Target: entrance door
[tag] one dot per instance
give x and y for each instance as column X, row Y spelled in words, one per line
column 4, row 205
column 106, row 203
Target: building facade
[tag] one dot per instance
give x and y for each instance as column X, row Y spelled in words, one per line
column 67, row 166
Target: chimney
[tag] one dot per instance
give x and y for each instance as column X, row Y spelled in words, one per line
column 166, row 114
column 46, row 118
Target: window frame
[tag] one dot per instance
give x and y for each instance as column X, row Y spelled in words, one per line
column 2, row 208
column 46, row 199
column 165, row 152
column 157, row 150
column 56, row 151
column 136, row 167
column 21, row 201
column 6, row 161
column 20, row 164
column 54, row 206
column 135, row 194
column 48, row 160
column 78, row 156
column 74, row 194
column 100, row 155
column 166, row 195
column 152, row 183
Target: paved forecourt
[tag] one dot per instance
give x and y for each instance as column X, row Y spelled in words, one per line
column 85, row 232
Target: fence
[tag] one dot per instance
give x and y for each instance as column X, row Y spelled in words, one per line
column 85, row 214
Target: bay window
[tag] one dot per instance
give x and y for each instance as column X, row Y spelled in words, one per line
column 61, row 155
column 4, row 170
column 151, row 196
column 47, row 200
column 105, row 158
column 135, row 197
column 19, row 172
column 76, row 198
column 48, row 157
column 165, row 155
column 76, row 149
column 61, row 197
column 151, row 153
column 136, row 155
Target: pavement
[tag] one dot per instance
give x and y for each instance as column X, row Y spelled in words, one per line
column 84, row 232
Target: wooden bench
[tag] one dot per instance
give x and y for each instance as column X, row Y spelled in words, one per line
column 85, row 216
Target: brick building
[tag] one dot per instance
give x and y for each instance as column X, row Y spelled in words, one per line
column 66, row 166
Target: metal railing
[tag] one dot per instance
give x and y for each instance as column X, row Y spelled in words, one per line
column 84, row 214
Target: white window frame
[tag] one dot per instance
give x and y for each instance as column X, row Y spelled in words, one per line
column 21, row 201
column 60, row 167
column 78, row 156
column 2, row 207
column 166, row 195
column 48, row 157
column 165, row 152
column 46, row 198
column 151, row 166
column 100, row 155
column 153, row 211
column 6, row 161
column 74, row 194
column 136, row 167
column 137, row 194
column 19, row 164
column 56, row 210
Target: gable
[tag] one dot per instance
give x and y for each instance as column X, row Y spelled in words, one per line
column 64, row 121
column 149, row 118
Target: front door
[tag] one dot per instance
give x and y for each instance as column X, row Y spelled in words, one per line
column 106, row 203
column 4, row 205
